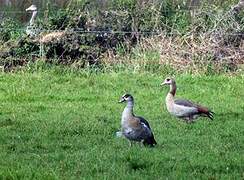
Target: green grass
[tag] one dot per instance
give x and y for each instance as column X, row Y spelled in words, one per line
column 62, row 126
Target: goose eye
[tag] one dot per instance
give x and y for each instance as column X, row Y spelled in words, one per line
column 168, row 79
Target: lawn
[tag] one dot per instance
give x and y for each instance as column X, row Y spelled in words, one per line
column 62, row 125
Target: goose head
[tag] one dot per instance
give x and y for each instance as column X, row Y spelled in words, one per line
column 32, row 8
column 168, row 81
column 126, row 98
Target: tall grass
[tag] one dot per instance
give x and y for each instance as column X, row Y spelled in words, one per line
column 213, row 43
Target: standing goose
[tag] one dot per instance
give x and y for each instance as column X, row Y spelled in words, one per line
column 135, row 128
column 181, row 108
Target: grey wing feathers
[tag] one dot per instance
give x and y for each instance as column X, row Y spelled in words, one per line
column 201, row 109
column 184, row 102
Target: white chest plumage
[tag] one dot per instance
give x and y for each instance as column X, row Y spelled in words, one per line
column 178, row 110
column 127, row 116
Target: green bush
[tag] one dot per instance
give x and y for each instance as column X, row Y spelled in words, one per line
column 9, row 29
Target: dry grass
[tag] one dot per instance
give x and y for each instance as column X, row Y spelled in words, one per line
column 218, row 49
column 195, row 51
column 190, row 52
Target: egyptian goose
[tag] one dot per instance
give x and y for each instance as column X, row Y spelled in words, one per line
column 181, row 108
column 135, row 128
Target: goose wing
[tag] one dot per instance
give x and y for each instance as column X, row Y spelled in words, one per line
column 200, row 109
column 183, row 102
column 144, row 122
column 187, row 103
column 149, row 137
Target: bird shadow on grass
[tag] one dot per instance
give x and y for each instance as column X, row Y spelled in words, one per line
column 135, row 164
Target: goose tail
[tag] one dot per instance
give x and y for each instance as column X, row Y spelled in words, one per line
column 210, row 114
column 206, row 112
column 150, row 141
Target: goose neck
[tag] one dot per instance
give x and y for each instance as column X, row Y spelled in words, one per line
column 129, row 108
column 130, row 105
column 173, row 89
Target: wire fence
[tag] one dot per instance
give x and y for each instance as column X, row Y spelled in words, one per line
column 111, row 32
column 176, row 50
column 65, row 10
column 4, row 14
column 170, row 31
column 24, row 13
column 189, row 10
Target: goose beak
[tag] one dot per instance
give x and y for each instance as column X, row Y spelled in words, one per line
column 163, row 83
column 121, row 100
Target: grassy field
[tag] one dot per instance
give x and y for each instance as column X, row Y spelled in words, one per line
column 58, row 125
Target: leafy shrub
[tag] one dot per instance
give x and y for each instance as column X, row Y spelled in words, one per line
column 9, row 29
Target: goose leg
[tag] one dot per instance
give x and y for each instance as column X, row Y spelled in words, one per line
column 189, row 119
column 141, row 144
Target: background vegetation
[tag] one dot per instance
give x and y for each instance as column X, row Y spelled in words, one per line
column 185, row 35
column 59, row 111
